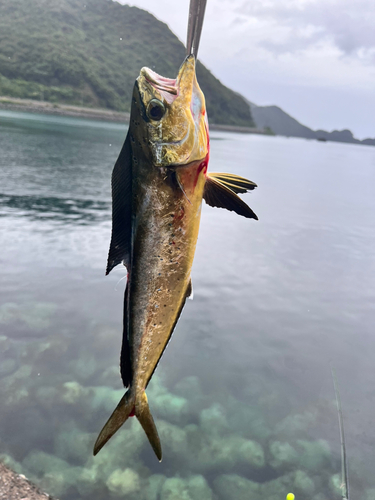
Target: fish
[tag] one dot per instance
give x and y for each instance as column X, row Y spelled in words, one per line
column 158, row 183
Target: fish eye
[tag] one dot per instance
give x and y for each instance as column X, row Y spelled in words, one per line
column 155, row 110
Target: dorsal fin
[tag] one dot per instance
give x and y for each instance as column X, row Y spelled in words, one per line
column 120, row 248
column 216, row 194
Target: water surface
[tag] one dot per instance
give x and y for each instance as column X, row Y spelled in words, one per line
column 244, row 390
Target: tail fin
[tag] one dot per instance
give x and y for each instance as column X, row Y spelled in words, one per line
column 142, row 412
column 122, row 412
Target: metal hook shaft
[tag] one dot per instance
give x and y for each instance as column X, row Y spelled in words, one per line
column 196, row 16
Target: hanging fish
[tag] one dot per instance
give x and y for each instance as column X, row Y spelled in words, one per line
column 158, row 184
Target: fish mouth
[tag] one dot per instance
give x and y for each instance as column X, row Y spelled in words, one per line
column 165, row 86
column 169, row 88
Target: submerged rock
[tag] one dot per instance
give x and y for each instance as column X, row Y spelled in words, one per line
column 296, row 425
column 87, row 482
column 171, row 407
column 209, row 452
column 188, row 387
column 174, row 439
column 46, row 397
column 4, row 344
column 251, row 453
column 278, row 488
column 175, row 488
column 153, row 487
column 314, row 455
column 335, row 485
column 36, row 316
column 283, row 455
column 72, row 393
column 232, row 486
column 213, row 421
column 198, row 488
column 370, row 494
column 298, row 482
column 7, row 367
column 83, row 367
column 13, row 389
column 40, row 462
column 249, row 422
column 73, row 445
column 124, row 482
column 11, row 463
column 303, row 484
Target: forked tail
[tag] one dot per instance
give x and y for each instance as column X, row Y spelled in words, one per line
column 138, row 406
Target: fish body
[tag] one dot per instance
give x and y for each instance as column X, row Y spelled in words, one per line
column 158, row 184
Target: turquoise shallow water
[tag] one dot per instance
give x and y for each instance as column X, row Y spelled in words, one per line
column 243, row 398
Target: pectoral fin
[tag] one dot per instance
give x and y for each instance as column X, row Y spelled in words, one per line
column 218, row 194
column 234, row 182
column 119, row 249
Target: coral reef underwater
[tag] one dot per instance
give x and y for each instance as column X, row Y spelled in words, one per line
column 55, row 394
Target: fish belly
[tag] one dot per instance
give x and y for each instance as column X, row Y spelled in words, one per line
column 164, row 240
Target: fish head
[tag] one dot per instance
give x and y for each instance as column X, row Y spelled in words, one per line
column 172, row 117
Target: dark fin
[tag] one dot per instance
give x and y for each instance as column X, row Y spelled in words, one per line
column 189, row 291
column 234, row 182
column 218, row 195
column 119, row 249
column 115, row 421
column 187, row 294
column 142, row 412
column 344, row 464
column 125, row 363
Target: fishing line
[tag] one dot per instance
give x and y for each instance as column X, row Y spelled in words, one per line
column 119, row 281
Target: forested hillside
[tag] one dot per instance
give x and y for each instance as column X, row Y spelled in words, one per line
column 89, row 52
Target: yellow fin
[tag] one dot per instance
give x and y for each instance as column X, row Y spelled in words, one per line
column 234, row 182
column 115, row 421
column 142, row 412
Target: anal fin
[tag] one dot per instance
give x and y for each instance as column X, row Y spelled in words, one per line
column 125, row 362
column 217, row 194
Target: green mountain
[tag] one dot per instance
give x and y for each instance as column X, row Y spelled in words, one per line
column 89, row 52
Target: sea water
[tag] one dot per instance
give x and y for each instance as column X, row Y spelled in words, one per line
column 243, row 397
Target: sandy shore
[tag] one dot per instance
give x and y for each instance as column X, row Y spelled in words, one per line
column 17, row 487
column 30, row 106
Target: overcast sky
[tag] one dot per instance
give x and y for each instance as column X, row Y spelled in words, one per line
column 313, row 58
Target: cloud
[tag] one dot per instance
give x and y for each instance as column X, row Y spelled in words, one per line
column 347, row 24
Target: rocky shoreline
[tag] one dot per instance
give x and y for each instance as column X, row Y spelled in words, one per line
column 17, row 487
column 31, row 106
